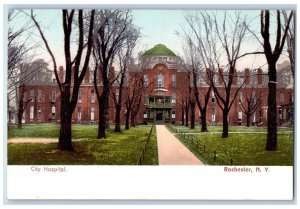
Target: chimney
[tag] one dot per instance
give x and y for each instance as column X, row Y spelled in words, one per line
column 247, row 76
column 259, row 76
column 87, row 76
column 61, row 74
column 220, row 79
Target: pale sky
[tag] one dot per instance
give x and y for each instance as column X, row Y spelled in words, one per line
column 157, row 27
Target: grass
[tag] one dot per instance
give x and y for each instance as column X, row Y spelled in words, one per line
column 243, row 149
column 118, row 149
column 177, row 128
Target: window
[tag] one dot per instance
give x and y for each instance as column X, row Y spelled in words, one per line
column 39, row 112
column 160, row 93
column 253, row 97
column 32, row 95
column 173, row 114
column 213, row 98
column 240, row 80
column 145, row 114
column 53, row 95
column 201, row 79
column 91, row 76
column 146, row 99
column 281, row 98
column 254, row 79
column 241, row 96
column 92, row 113
column 160, row 80
column 173, row 98
column 31, row 115
column 254, row 117
column 53, row 112
column 79, row 113
column 240, row 115
column 145, row 80
column 92, row 96
column 39, row 95
column 174, row 80
column 79, row 96
column 213, row 115
column 117, row 95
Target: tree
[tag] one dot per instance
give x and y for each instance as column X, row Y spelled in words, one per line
column 218, row 39
column 112, row 27
column 29, row 74
column 72, row 70
column 125, row 60
column 18, row 48
column 199, row 77
column 272, row 56
column 133, row 96
column 290, row 40
column 250, row 105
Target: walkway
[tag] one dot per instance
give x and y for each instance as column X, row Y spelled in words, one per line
column 37, row 140
column 171, row 151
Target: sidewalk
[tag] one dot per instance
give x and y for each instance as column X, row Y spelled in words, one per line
column 171, row 151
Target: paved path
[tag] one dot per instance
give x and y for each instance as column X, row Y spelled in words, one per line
column 37, row 140
column 171, row 151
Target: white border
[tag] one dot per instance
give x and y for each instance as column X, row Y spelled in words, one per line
column 211, row 4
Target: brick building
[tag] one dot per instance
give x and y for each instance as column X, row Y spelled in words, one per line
column 166, row 82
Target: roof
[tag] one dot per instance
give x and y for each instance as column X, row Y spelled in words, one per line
column 160, row 50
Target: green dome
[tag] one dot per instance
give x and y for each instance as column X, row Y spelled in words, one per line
column 160, row 50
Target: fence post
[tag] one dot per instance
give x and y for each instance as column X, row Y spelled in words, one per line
column 215, row 155
column 231, row 161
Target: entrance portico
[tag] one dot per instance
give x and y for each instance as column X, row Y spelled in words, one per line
column 159, row 109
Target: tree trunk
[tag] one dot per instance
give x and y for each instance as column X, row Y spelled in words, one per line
column 127, row 119
column 20, row 112
column 182, row 116
column 225, row 124
column 118, row 119
column 203, row 121
column 102, row 119
column 65, row 133
column 271, row 144
column 248, row 120
column 106, row 112
column 187, row 117
column 132, row 122
column 193, row 115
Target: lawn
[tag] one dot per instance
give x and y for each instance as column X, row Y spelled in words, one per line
column 117, row 149
column 214, row 128
column 242, row 148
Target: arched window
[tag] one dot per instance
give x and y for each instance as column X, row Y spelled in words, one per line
column 160, row 80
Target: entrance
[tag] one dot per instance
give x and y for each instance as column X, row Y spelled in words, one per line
column 159, row 116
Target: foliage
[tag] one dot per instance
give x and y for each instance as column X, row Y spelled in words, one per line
column 118, row 149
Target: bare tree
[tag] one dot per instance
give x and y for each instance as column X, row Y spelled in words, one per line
column 250, row 105
column 133, row 96
column 28, row 76
column 72, row 70
column 112, row 27
column 199, row 78
column 18, row 48
column 272, row 56
column 125, row 59
column 290, row 40
column 218, row 39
